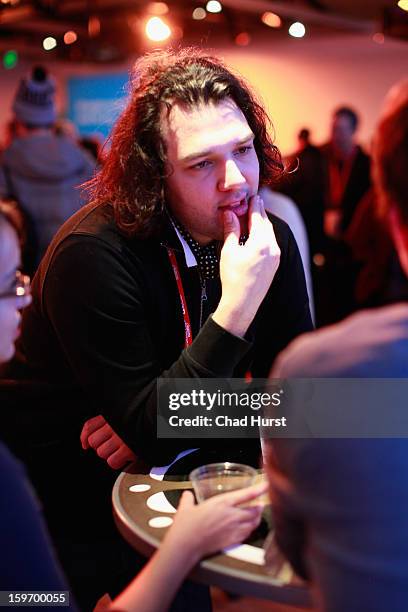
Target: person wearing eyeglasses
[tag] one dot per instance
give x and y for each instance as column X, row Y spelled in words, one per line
column 14, row 289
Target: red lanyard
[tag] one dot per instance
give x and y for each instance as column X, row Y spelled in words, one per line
column 188, row 336
column 338, row 179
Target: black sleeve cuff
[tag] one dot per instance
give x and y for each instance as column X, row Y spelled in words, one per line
column 217, row 350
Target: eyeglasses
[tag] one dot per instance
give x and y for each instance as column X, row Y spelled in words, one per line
column 20, row 288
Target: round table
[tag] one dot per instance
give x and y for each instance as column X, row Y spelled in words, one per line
column 144, row 501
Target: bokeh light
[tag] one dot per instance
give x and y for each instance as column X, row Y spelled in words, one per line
column 199, row 13
column 70, row 37
column 157, row 30
column 10, row 59
column 49, row 43
column 271, row 19
column 213, row 6
column 297, row 30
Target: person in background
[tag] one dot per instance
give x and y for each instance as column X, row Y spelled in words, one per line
column 10, row 133
column 346, row 175
column 380, row 279
column 304, row 142
column 346, row 169
column 28, row 561
column 94, row 146
column 340, row 504
column 304, row 184
column 39, row 169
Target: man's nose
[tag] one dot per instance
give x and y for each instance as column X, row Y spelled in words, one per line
column 232, row 176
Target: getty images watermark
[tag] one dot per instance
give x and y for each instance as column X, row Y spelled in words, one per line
column 296, row 408
column 221, row 400
column 217, row 408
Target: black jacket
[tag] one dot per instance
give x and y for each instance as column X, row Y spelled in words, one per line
column 106, row 319
column 358, row 183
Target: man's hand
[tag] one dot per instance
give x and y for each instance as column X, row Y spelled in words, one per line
column 99, row 435
column 246, row 271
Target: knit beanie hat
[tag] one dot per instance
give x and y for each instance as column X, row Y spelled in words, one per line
column 34, row 101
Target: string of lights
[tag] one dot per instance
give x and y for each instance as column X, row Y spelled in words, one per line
column 161, row 23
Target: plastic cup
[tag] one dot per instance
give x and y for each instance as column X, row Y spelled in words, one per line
column 216, row 478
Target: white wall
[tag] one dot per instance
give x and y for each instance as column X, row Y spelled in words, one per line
column 301, row 81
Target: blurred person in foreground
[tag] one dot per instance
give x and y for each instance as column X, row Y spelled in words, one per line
column 340, row 505
column 174, row 270
column 40, row 169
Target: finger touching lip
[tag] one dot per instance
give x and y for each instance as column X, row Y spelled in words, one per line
column 239, row 207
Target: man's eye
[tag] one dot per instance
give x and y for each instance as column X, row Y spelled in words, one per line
column 202, row 164
column 243, row 150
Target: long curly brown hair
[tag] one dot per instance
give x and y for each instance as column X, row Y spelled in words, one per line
column 133, row 176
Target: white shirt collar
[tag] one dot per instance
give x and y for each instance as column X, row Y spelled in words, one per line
column 188, row 253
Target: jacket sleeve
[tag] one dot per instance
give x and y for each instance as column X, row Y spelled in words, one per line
column 96, row 303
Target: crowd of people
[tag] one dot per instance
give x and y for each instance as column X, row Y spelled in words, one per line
column 40, row 168
column 176, row 268
column 353, row 262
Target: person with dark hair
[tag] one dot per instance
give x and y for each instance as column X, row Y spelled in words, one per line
column 27, row 561
column 344, row 170
column 94, row 147
column 39, row 169
column 303, row 138
column 340, row 504
column 173, row 270
column 304, row 183
column 347, row 172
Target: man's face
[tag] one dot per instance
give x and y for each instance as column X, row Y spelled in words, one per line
column 10, row 305
column 213, row 166
column 342, row 132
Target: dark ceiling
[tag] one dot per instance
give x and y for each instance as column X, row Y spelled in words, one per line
column 110, row 30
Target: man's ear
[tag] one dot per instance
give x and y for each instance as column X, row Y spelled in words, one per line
column 399, row 233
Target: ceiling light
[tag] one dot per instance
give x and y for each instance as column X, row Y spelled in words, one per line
column 378, row 38
column 156, row 29
column 403, row 4
column 213, row 6
column 70, row 37
column 271, row 19
column 157, row 8
column 10, row 59
column 242, row 39
column 94, row 26
column 297, row 30
column 199, row 13
column 49, row 43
